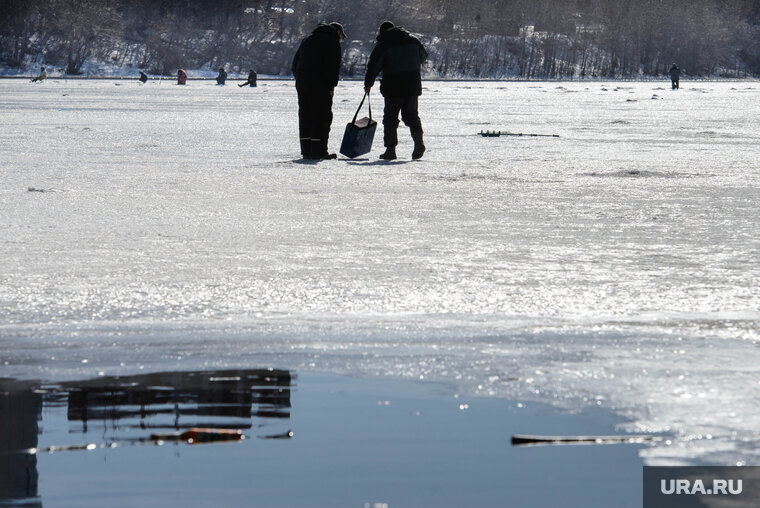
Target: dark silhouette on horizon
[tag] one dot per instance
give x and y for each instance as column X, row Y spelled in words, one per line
column 252, row 76
column 675, row 77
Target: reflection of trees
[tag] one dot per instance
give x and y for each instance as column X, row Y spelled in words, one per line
column 179, row 400
column 134, row 406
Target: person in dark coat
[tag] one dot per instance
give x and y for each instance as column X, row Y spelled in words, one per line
column 252, row 76
column 143, row 77
column 181, row 77
column 316, row 67
column 675, row 77
column 222, row 77
column 398, row 55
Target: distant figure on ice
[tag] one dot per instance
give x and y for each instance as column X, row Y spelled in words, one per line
column 143, row 77
column 181, row 77
column 252, row 76
column 675, row 76
column 222, row 77
column 398, row 55
column 41, row 77
column 316, row 67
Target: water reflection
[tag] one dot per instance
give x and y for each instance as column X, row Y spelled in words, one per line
column 20, row 412
column 109, row 410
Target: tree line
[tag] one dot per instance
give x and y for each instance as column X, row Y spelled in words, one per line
column 535, row 39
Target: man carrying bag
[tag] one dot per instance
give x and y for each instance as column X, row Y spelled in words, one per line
column 398, row 55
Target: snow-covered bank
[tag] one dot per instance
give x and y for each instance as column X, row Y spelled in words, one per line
column 101, row 72
column 615, row 265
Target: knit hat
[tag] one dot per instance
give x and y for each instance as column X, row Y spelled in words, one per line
column 386, row 25
column 338, row 28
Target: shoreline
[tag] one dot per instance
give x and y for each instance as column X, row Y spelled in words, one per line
column 712, row 79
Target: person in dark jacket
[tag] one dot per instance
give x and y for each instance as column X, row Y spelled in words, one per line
column 181, row 77
column 675, row 77
column 143, row 77
column 316, row 67
column 398, row 55
column 222, row 77
column 252, row 76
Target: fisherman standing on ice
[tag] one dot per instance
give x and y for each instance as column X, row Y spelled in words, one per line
column 41, row 77
column 181, row 77
column 316, row 67
column 675, row 76
column 398, row 55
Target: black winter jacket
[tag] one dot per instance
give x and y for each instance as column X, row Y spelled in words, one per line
column 316, row 65
column 398, row 55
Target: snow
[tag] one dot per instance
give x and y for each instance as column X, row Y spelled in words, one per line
column 617, row 265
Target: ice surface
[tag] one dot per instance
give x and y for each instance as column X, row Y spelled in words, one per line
column 617, row 265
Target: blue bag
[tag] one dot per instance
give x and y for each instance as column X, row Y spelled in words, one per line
column 357, row 140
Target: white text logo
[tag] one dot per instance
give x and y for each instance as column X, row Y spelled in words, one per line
column 719, row 487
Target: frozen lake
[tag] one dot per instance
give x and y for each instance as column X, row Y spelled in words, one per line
column 617, row 265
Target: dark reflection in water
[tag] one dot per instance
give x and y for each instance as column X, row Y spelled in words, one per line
column 20, row 412
column 131, row 408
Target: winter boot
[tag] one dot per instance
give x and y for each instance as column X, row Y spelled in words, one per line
column 319, row 150
column 306, row 148
column 390, row 154
column 419, row 146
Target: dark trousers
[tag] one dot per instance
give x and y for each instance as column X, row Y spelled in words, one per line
column 314, row 120
column 675, row 83
column 407, row 105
